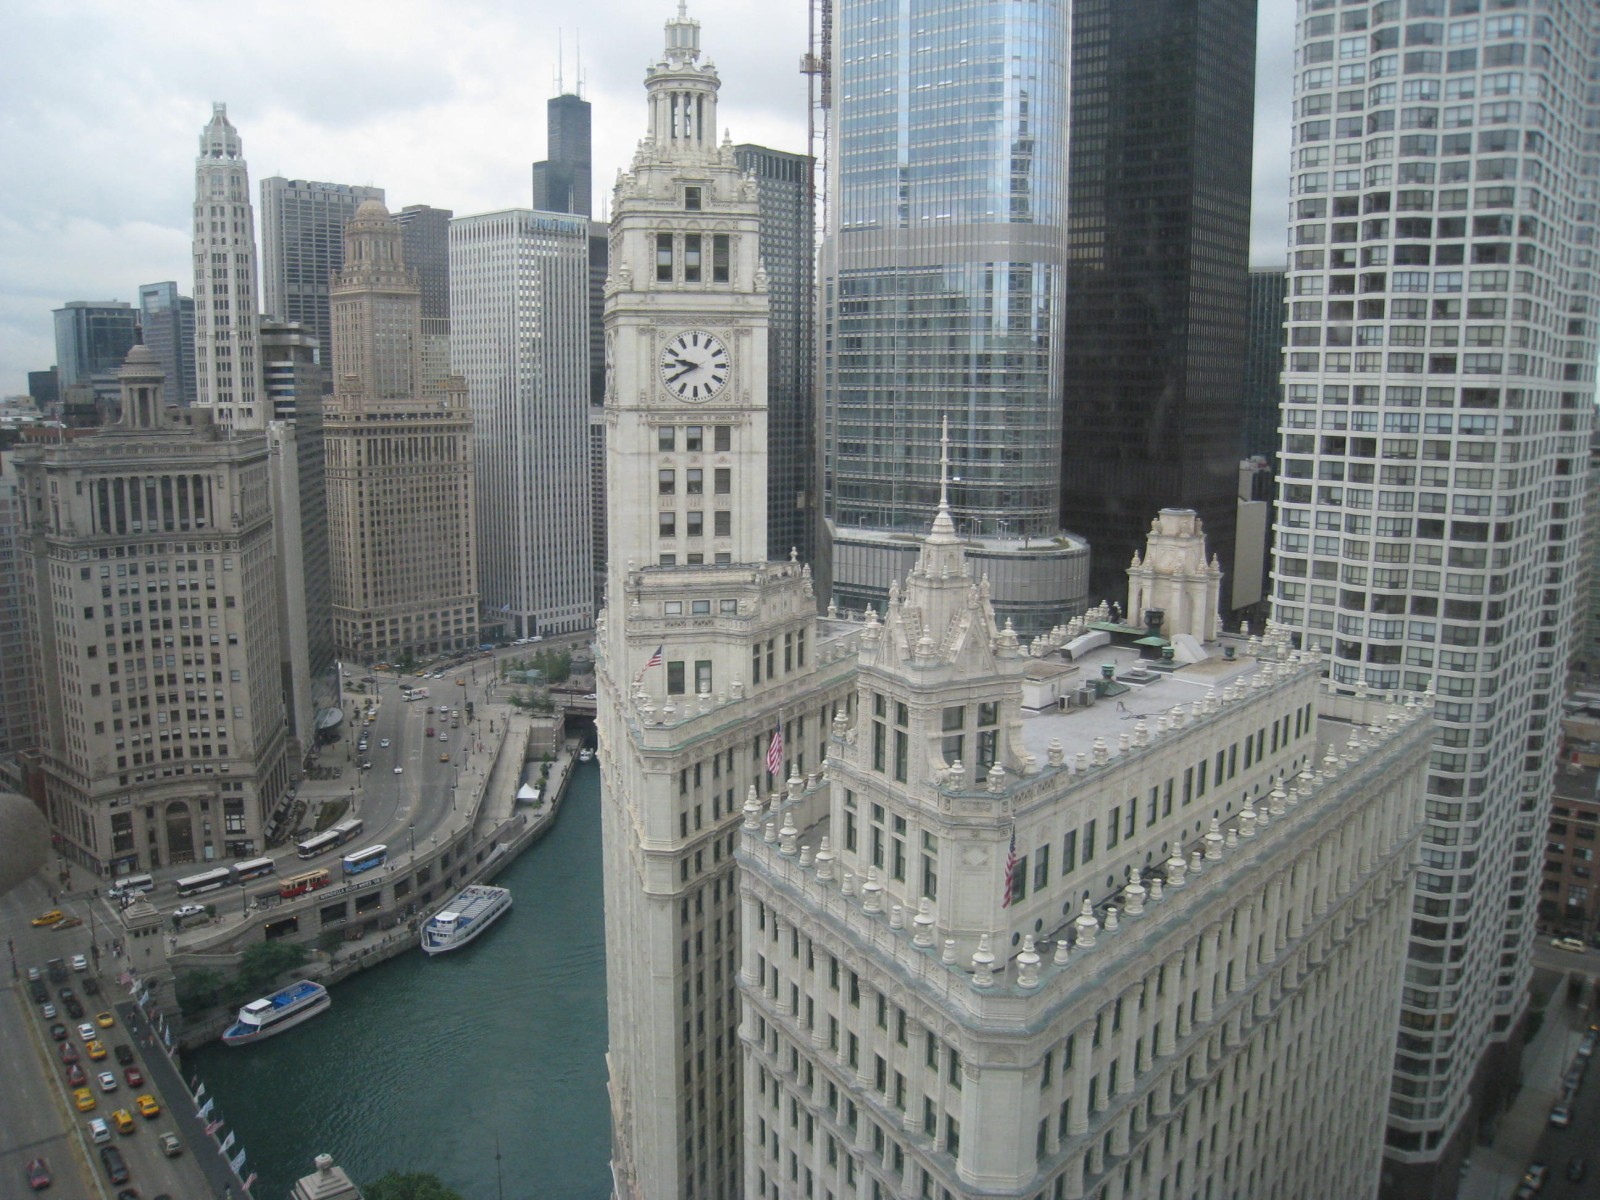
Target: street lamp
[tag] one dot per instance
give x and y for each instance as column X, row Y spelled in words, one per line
column 412, row 831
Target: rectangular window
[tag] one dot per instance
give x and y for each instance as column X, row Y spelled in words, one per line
column 702, row 676
column 666, row 482
column 691, row 199
column 675, row 678
column 694, row 483
column 722, row 481
column 722, row 523
column 696, row 525
column 691, row 258
column 667, row 437
column 1069, row 852
column 1088, row 843
column 1114, row 827
column 663, row 258
column 722, row 438
column 667, row 524
column 1041, row 867
column 693, row 438
column 719, row 258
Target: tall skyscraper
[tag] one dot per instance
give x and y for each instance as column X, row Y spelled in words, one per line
column 1439, row 393
column 92, row 339
column 19, row 724
column 226, row 346
column 986, row 955
column 427, row 251
column 714, row 675
column 143, row 770
column 519, row 334
column 293, row 389
column 302, row 245
column 788, row 253
column 942, row 285
column 562, row 183
column 1263, row 362
column 401, row 512
column 167, row 320
column 1162, row 116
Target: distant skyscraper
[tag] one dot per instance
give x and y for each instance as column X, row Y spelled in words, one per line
column 942, row 278
column 427, row 251
column 302, row 245
column 1438, row 400
column 293, row 382
column 185, row 507
column 92, row 339
column 1162, row 117
column 45, row 388
column 788, row 252
column 1263, row 362
column 519, row 333
column 226, row 348
column 561, row 183
column 167, row 320
column 400, row 484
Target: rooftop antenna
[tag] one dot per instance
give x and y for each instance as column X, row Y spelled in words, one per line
column 560, row 66
column 577, row 56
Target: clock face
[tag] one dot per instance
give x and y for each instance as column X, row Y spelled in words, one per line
column 695, row 365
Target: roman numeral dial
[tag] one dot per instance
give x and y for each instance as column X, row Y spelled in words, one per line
column 695, row 365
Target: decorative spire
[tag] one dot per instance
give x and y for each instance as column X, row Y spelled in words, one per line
column 944, row 527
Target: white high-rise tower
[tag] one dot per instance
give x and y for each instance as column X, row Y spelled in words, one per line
column 226, row 343
column 705, row 651
column 1437, row 404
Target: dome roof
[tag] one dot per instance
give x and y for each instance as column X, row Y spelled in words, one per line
column 372, row 210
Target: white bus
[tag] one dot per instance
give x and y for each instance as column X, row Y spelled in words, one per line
column 253, row 868
column 132, row 885
column 207, row 881
column 322, row 842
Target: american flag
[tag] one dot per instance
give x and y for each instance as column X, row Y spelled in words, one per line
column 1011, row 869
column 655, row 661
column 775, row 751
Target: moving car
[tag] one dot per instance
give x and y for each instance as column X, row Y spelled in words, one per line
column 47, row 1011
column 86, row 1032
column 124, row 1054
column 1561, row 943
column 123, row 1120
column 96, row 1049
column 105, row 1020
column 56, row 969
column 38, row 1174
column 445, row 757
column 116, row 1166
column 34, row 974
column 170, row 1145
column 69, row 922
column 1561, row 1116
column 91, row 985
column 383, row 743
column 184, row 911
column 74, row 1009
column 80, row 964
column 69, row 1053
column 84, row 1099
column 1577, row 1168
column 147, row 1106
column 134, row 1076
column 107, row 1081
column 75, row 1076
column 428, row 732
column 48, row 918
column 58, row 1032
column 39, row 992
column 99, row 1131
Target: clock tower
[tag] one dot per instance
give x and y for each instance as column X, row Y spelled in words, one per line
column 707, row 660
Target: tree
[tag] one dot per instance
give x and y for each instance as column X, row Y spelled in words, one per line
column 196, row 990
column 409, row 1185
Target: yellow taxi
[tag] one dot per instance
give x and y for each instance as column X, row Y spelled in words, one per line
column 96, row 1049
column 461, row 683
column 445, row 757
column 105, row 1020
column 123, row 1120
column 83, row 1098
column 147, row 1106
column 48, row 918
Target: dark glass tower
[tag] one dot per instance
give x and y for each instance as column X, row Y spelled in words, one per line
column 92, row 338
column 1159, row 197
column 783, row 192
column 167, row 320
column 1263, row 362
column 562, row 183
column 426, row 245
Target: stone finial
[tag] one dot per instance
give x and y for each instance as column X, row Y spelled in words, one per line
column 847, row 883
column 1100, row 753
column 1133, row 893
column 1277, row 799
column 1175, row 868
column 872, row 892
column 922, row 924
column 1213, row 840
column 1196, row 863
column 956, row 774
column 752, row 810
column 897, row 916
column 1028, row 964
column 805, row 854
column 1056, row 754
column 1156, row 894
column 1112, row 923
column 769, row 832
column 1062, row 951
column 997, row 778
column 1141, row 733
column 788, row 835
column 983, row 964
column 1230, row 837
column 795, row 785
column 1080, row 763
column 948, row 955
column 825, row 859
column 1247, row 820
column 1086, row 925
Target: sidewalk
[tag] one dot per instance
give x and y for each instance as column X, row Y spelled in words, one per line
column 1496, row 1169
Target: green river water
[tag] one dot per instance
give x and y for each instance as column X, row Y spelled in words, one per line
column 421, row 1064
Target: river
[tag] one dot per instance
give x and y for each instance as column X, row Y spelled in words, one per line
column 422, row 1064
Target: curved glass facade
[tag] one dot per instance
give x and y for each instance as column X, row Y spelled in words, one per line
column 944, row 264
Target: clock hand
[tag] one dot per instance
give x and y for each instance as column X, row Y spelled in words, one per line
column 688, row 369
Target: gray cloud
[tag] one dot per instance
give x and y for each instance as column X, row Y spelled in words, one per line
column 438, row 104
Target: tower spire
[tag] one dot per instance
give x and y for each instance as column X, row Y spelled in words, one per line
column 944, row 526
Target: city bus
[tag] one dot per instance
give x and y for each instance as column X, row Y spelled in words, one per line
column 206, row 881
column 322, row 842
column 132, row 885
column 364, row 860
column 253, row 868
column 307, row 881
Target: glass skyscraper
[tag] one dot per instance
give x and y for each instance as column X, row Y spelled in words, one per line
column 941, row 296
column 1439, row 393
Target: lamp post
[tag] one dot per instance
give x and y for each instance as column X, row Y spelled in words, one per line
column 411, row 830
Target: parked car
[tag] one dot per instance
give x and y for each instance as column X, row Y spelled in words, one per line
column 38, row 1174
column 124, row 1054
column 58, row 1032
column 57, row 970
column 80, row 964
column 116, row 1166
column 47, row 1011
column 1561, row 1116
column 91, row 985
column 40, row 993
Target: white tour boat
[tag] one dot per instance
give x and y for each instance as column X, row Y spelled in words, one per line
column 284, row 1009
column 468, row 914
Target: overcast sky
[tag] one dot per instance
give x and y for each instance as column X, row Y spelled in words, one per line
column 437, row 103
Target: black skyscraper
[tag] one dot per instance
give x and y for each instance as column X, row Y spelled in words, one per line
column 1263, row 364
column 1153, row 352
column 562, row 182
